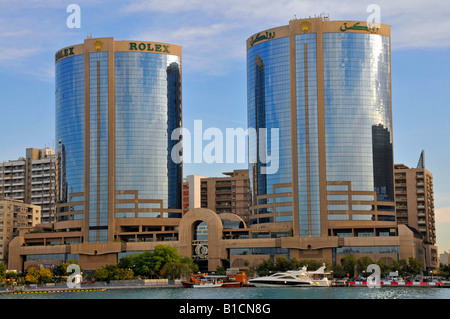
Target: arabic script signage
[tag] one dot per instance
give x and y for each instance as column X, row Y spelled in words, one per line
column 356, row 26
column 264, row 36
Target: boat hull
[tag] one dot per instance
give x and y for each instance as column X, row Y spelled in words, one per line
column 267, row 283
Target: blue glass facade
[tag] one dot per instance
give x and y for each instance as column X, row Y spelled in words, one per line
column 268, row 107
column 98, row 146
column 69, row 128
column 307, row 134
column 358, row 126
column 147, row 107
column 355, row 126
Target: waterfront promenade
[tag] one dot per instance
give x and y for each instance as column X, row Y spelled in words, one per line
column 96, row 286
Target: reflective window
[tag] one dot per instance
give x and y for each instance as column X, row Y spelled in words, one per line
column 363, row 197
column 358, row 128
column 337, row 207
column 69, row 121
column 338, row 217
column 337, row 188
column 368, row 250
column 269, row 107
column 337, row 197
column 98, row 142
column 386, row 218
column 363, row 207
column 363, row 217
column 148, row 108
column 307, row 134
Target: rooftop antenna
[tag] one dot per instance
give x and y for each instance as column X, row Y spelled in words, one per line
column 421, row 163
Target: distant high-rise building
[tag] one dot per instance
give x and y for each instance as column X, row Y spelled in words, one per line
column 414, row 197
column 31, row 179
column 228, row 194
column 225, row 194
column 191, row 192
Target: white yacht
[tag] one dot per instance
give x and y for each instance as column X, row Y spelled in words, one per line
column 294, row 278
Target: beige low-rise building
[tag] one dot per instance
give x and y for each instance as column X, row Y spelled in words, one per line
column 15, row 214
column 210, row 239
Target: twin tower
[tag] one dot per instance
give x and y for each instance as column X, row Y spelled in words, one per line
column 326, row 85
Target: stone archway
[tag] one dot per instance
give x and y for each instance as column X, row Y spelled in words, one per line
column 191, row 247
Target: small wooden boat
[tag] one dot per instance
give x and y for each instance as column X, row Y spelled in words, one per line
column 236, row 280
column 202, row 281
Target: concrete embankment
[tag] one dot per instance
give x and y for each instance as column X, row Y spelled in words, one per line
column 98, row 286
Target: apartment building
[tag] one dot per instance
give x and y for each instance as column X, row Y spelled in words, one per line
column 414, row 198
column 191, row 192
column 228, row 194
column 31, row 179
column 15, row 214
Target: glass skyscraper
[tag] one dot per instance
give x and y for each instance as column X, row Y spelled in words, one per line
column 326, row 85
column 117, row 103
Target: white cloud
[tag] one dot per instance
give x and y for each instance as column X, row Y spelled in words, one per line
column 211, row 49
column 224, row 26
column 414, row 23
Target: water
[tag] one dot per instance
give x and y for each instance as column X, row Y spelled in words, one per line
column 251, row 293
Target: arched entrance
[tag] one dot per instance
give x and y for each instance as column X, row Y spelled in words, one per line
column 200, row 245
column 201, row 236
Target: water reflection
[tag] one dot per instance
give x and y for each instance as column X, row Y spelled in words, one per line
column 248, row 293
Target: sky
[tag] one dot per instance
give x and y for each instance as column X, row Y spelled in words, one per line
column 213, row 36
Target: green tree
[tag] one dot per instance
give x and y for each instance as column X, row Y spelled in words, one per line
column 415, row 267
column 61, row 270
column 220, row 270
column 282, row 264
column 444, row 270
column 32, row 276
column 362, row 264
column 11, row 275
column 338, row 271
column 153, row 263
column 101, row 274
column 112, row 272
column 348, row 264
column 45, row 275
column 2, row 270
column 401, row 266
column 181, row 267
column 265, row 268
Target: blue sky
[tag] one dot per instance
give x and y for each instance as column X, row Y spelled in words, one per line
column 213, row 34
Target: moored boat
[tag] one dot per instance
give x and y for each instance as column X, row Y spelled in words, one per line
column 236, row 280
column 294, row 278
column 202, row 281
